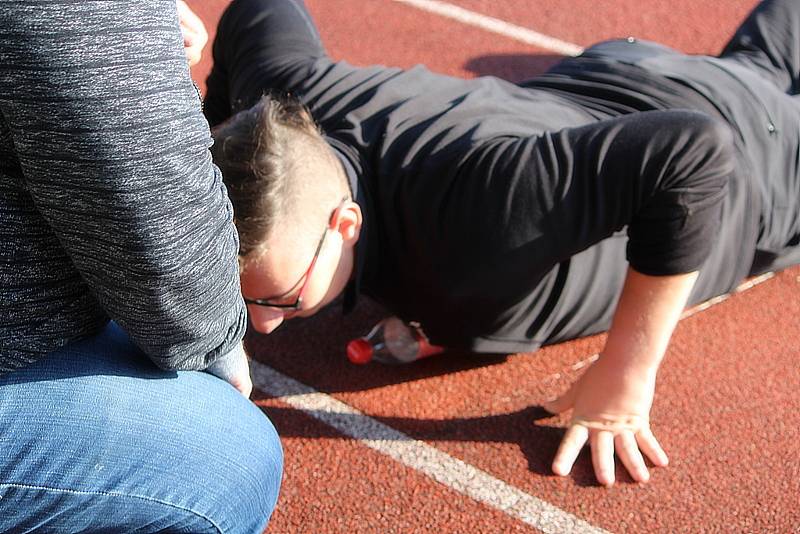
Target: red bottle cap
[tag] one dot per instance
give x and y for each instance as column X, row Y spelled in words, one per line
column 359, row 351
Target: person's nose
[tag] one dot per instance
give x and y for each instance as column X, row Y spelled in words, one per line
column 265, row 319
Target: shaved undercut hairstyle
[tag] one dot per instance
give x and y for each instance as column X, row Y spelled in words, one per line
column 267, row 155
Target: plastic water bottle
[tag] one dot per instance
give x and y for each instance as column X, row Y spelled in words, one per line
column 392, row 342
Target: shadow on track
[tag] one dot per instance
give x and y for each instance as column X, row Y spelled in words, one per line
column 313, row 351
column 512, row 67
column 536, row 433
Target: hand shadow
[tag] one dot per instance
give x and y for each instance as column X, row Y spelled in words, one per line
column 534, row 430
column 512, row 67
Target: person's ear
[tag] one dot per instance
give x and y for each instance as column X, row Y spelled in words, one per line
column 347, row 221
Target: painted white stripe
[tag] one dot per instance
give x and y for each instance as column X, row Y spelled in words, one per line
column 753, row 282
column 418, row 455
column 494, row 25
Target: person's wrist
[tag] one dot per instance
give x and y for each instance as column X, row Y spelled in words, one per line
column 619, row 388
column 628, row 365
column 611, row 366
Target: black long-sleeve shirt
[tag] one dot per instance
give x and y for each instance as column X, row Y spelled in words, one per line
column 110, row 206
column 494, row 211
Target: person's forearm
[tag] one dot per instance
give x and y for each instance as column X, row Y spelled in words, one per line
column 647, row 313
column 620, row 385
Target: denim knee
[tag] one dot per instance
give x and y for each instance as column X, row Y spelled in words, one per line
column 97, row 439
column 250, row 491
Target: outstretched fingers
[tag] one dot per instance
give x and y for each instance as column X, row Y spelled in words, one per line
column 649, row 445
column 628, row 444
column 571, row 445
column 628, row 451
column 602, row 443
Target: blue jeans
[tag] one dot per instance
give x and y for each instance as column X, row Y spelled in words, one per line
column 95, row 438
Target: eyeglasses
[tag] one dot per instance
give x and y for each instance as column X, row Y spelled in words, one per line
column 270, row 302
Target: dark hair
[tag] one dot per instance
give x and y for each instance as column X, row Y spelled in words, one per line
column 254, row 150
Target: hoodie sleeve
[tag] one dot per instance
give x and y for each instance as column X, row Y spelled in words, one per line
column 112, row 146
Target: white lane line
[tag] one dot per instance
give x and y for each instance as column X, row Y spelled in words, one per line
column 418, row 455
column 749, row 284
column 753, row 282
column 491, row 24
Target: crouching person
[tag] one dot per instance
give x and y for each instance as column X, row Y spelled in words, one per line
column 123, row 382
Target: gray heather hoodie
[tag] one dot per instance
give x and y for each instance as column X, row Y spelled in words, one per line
column 110, row 206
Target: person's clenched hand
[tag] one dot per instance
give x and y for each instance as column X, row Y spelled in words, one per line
column 194, row 33
column 242, row 382
column 611, row 407
column 234, row 368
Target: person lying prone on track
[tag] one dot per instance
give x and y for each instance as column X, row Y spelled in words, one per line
column 605, row 194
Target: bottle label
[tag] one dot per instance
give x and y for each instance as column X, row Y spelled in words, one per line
column 426, row 349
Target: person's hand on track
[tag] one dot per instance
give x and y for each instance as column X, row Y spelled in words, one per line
column 611, row 402
column 611, row 409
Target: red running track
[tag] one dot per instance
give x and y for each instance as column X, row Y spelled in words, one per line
column 727, row 405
